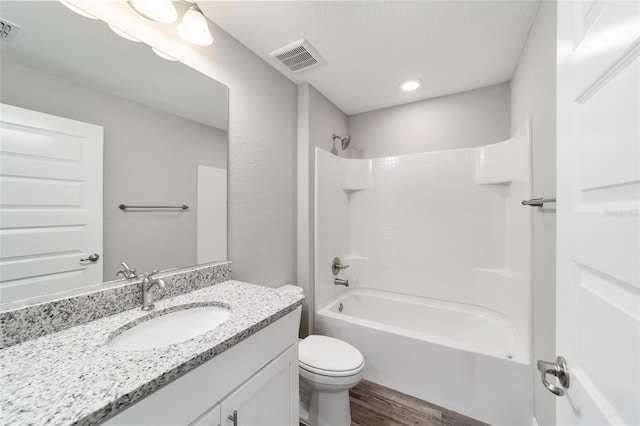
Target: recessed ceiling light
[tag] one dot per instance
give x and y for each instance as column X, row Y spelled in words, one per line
column 409, row 85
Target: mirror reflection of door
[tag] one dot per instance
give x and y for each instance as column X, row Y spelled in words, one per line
column 51, row 203
column 162, row 121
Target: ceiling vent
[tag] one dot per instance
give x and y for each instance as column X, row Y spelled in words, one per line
column 297, row 56
column 8, row 30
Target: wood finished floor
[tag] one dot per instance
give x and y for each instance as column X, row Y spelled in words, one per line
column 375, row 405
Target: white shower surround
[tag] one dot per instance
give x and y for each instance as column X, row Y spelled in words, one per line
column 445, row 225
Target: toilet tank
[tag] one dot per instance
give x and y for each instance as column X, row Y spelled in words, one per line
column 292, row 288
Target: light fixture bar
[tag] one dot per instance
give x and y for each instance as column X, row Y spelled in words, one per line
column 77, row 10
column 155, row 10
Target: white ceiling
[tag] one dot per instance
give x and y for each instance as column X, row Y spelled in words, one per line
column 371, row 46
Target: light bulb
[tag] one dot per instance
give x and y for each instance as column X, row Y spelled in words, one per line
column 194, row 28
column 156, row 10
column 409, row 85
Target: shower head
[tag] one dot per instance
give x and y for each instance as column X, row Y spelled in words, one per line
column 343, row 141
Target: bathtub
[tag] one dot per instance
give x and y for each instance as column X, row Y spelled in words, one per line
column 462, row 357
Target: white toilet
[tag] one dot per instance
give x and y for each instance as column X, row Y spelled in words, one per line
column 329, row 367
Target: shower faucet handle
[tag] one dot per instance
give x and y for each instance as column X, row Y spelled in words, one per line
column 337, row 266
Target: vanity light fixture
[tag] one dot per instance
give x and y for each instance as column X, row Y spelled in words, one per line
column 77, row 10
column 411, row 84
column 155, row 10
column 163, row 55
column 194, row 27
column 122, row 33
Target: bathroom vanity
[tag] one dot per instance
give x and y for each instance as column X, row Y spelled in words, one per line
column 253, row 383
column 244, row 371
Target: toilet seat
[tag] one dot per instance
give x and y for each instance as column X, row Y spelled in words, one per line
column 344, row 382
column 329, row 357
column 330, row 373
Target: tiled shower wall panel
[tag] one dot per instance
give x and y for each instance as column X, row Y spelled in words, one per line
column 426, row 226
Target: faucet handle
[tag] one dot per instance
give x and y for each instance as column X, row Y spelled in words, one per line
column 337, row 266
column 128, row 272
column 150, row 274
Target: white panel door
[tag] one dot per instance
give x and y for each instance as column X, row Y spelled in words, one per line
column 50, row 203
column 598, row 256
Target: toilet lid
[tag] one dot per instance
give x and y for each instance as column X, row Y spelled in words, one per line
column 326, row 355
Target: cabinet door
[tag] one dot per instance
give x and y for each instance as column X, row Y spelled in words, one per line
column 270, row 398
column 210, row 418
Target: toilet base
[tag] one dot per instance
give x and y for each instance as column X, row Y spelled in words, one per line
column 330, row 409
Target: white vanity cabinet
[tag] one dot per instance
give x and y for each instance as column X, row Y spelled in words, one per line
column 210, row 418
column 268, row 397
column 265, row 399
column 257, row 378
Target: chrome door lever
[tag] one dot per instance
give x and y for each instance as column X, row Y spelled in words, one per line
column 92, row 258
column 558, row 369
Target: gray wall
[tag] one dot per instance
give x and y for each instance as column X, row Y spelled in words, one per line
column 473, row 118
column 318, row 119
column 262, row 135
column 150, row 157
column 533, row 91
column 325, row 120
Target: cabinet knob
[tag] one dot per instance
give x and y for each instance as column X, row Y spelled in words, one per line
column 234, row 418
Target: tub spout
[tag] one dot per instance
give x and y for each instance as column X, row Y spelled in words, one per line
column 340, row 281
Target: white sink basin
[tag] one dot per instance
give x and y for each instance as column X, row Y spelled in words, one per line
column 167, row 329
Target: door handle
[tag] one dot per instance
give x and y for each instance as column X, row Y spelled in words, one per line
column 558, row 369
column 93, row 258
column 234, row 418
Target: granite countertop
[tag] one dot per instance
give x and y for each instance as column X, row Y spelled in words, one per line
column 73, row 377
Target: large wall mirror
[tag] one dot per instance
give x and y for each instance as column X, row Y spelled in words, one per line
column 164, row 146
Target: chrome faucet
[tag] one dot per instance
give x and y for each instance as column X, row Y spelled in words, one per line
column 127, row 272
column 340, row 281
column 149, row 286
